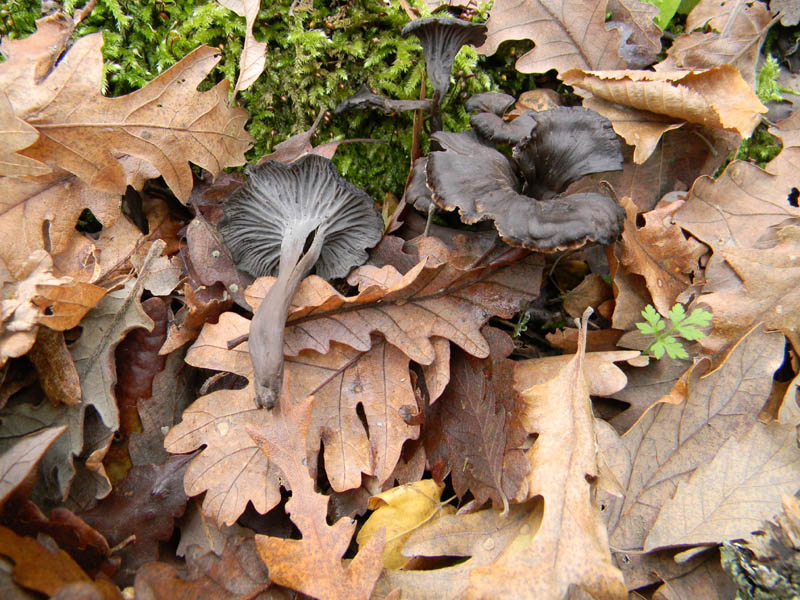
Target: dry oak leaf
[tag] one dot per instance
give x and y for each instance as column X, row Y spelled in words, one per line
column 16, row 134
column 474, row 430
column 564, row 467
column 670, row 440
column 730, row 496
column 642, row 105
column 735, row 209
column 770, row 291
column 167, row 123
column 659, row 252
column 569, row 34
column 433, row 299
column 254, row 53
column 18, row 461
column 24, row 302
column 312, row 565
column 641, row 37
column 736, row 42
column 233, row 470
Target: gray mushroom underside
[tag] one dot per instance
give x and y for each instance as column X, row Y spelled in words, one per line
column 280, row 200
column 482, row 183
column 441, row 39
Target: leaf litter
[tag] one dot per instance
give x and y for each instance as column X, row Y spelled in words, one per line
column 431, row 439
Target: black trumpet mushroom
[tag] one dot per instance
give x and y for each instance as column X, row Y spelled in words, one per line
column 285, row 221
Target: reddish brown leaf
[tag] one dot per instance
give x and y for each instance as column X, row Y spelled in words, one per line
column 203, row 305
column 312, row 565
column 474, row 430
column 144, row 505
column 57, row 374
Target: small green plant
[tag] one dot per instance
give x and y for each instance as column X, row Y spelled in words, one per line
column 682, row 325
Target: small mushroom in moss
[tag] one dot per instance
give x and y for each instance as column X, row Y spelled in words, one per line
column 523, row 194
column 441, row 39
column 287, row 220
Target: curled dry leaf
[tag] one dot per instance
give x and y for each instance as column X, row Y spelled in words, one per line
column 670, row 440
column 659, row 252
column 57, row 373
column 26, row 302
column 735, row 37
column 22, row 457
column 474, row 430
column 568, row 34
column 642, row 105
column 312, row 565
column 730, row 496
column 254, row 53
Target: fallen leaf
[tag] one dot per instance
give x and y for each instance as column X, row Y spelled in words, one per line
column 704, row 582
column 18, row 461
column 474, row 430
column 85, row 133
column 143, row 505
column 659, row 252
column 202, row 534
column 24, row 303
column 16, row 134
column 731, row 495
column 313, row 564
column 400, row 511
column 541, row 562
column 769, row 293
column 57, row 374
column 735, row 209
column 598, row 340
column 736, row 42
column 642, row 105
column 254, row 53
column 203, row 305
column 790, row 14
column 669, row 441
column 592, row 291
column 238, row 573
column 568, row 35
column 641, row 37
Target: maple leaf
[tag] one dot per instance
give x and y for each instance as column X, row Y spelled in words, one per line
column 659, row 252
column 313, row 564
column 670, row 440
column 568, row 34
column 643, row 105
column 730, row 496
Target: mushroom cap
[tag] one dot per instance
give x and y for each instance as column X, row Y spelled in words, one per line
column 441, row 39
column 494, row 129
column 492, row 102
column 305, row 198
column 470, row 175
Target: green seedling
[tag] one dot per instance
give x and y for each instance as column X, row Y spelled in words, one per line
column 684, row 326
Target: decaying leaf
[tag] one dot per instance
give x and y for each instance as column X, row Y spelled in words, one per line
column 670, row 440
column 642, row 105
column 475, row 432
column 21, row 458
column 57, row 373
column 735, row 210
column 659, row 252
column 563, row 464
column 313, row 564
column 641, row 37
column 730, row 496
column 568, row 34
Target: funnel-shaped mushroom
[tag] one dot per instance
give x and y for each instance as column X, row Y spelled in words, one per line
column 284, row 221
column 441, row 39
column 551, row 149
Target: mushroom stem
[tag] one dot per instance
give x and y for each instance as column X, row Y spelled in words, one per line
column 269, row 322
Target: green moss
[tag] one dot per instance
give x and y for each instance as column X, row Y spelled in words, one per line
column 17, row 17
